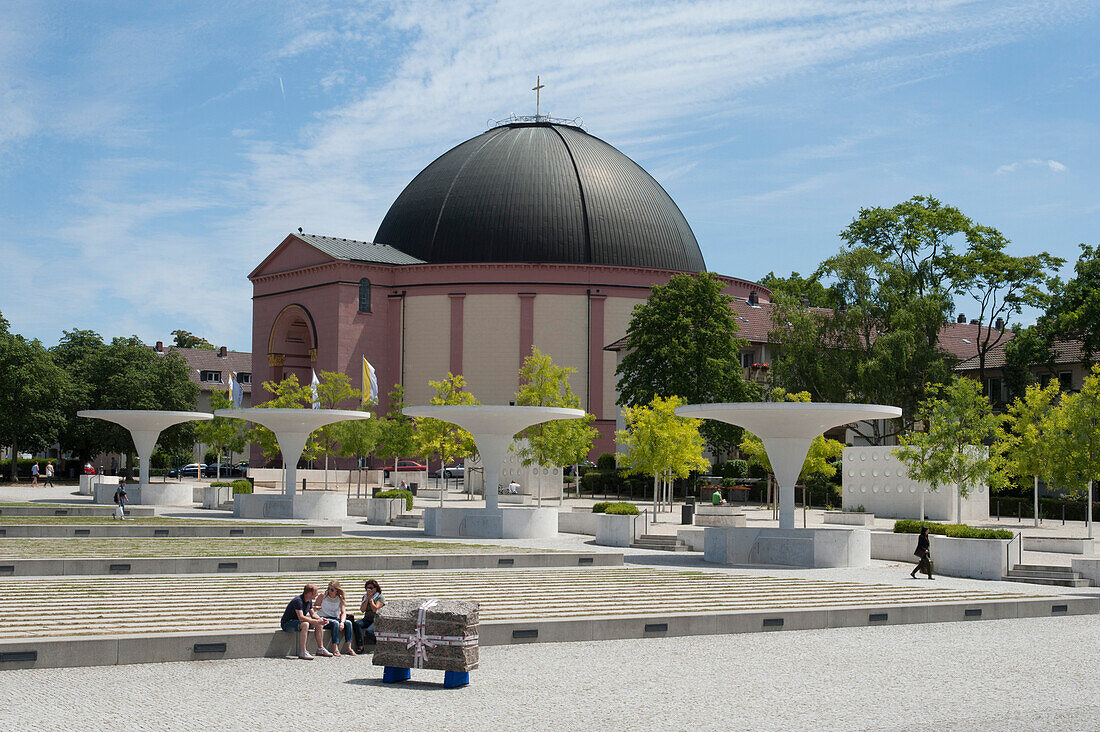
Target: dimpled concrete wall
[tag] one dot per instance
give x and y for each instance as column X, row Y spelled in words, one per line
column 875, row 479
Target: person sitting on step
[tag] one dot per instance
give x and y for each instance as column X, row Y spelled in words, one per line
column 333, row 609
column 300, row 617
column 372, row 603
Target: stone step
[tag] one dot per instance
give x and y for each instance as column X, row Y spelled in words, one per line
column 409, row 521
column 1020, row 571
column 1059, row 581
column 1052, row 568
column 659, row 538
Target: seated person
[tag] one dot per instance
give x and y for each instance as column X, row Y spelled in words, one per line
column 372, row 603
column 333, row 609
column 299, row 617
column 716, row 499
column 513, row 487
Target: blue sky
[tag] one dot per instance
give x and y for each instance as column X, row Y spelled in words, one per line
column 152, row 153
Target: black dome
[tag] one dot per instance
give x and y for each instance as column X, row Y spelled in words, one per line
column 540, row 192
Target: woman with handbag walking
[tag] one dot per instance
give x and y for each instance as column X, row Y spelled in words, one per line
column 924, row 553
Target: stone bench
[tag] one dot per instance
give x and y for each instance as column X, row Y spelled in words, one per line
column 718, row 516
column 850, row 518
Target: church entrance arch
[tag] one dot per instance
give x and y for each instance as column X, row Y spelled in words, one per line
column 292, row 344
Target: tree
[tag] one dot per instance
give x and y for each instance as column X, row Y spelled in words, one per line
column 1030, row 348
column 357, row 437
column 77, row 353
column 221, row 434
column 187, row 339
column 558, row 442
column 1002, row 285
column 951, row 451
column 397, row 432
column 1074, row 312
column 332, row 390
column 1074, row 429
column 657, row 442
column 447, row 441
column 683, row 342
column 821, row 457
column 1025, row 444
column 34, row 393
column 807, row 291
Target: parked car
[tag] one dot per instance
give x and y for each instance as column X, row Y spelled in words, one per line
column 228, row 470
column 404, row 466
column 191, row 470
column 455, row 471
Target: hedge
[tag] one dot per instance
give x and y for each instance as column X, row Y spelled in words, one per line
column 238, row 486
column 605, row 462
column 954, row 531
column 407, row 495
column 619, row 508
column 622, row 509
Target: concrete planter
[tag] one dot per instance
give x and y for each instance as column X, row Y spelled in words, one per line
column 578, row 522
column 850, row 518
column 694, row 538
column 975, row 558
column 380, row 511
column 614, row 530
column 87, row 481
column 718, row 516
column 1089, row 567
column 215, row 496
column 153, row 494
column 329, row 505
column 1062, row 545
column 788, row 547
column 480, row 523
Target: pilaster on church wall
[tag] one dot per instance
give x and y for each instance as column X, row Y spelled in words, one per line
column 491, row 345
column 561, row 323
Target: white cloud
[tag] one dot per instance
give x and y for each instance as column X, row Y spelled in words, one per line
column 1052, row 165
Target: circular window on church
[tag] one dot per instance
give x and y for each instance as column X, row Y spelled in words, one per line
column 863, row 456
column 874, row 456
column 863, row 489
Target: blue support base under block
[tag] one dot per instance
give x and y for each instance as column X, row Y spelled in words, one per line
column 392, row 675
column 455, row 679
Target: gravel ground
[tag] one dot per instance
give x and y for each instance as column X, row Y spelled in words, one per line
column 1009, row 674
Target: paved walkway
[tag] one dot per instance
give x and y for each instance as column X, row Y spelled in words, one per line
column 1035, row 674
column 210, row 603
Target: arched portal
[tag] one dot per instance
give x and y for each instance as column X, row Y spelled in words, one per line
column 292, row 344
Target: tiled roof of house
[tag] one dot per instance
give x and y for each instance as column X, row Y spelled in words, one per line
column 204, row 359
column 358, row 251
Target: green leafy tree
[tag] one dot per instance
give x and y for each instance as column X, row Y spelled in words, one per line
column 1031, row 349
column 357, row 437
column 657, row 442
column 951, row 450
column 221, row 434
column 187, row 339
column 34, row 394
column 806, row 291
column 1025, row 445
column 1074, row 312
column 443, row 439
column 77, row 353
column 397, row 432
column 1074, row 429
column 333, row 391
column 559, row 442
column 821, row 457
column 683, row 342
column 1001, row 285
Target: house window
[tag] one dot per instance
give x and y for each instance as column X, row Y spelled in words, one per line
column 993, row 388
column 364, row 295
column 1065, row 380
column 212, row 377
column 746, row 359
column 244, row 377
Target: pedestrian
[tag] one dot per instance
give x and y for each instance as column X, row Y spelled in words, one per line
column 513, row 487
column 49, row 476
column 120, row 500
column 924, row 553
column 300, row 617
column 334, row 609
column 34, row 473
column 371, row 604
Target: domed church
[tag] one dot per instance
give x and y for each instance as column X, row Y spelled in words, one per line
column 533, row 233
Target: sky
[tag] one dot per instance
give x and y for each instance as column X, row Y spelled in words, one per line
column 153, row 153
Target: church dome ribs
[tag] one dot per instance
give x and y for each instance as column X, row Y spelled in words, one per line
column 540, row 192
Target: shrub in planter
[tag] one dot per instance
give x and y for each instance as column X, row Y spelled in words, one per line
column 407, row 495
column 953, row 531
column 605, row 462
column 600, row 507
column 621, row 509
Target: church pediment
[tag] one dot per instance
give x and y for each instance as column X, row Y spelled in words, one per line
column 292, row 254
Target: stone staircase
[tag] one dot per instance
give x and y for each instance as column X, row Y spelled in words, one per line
column 661, row 543
column 1045, row 574
column 408, row 521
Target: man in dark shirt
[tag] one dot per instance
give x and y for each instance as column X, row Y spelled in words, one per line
column 299, row 617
